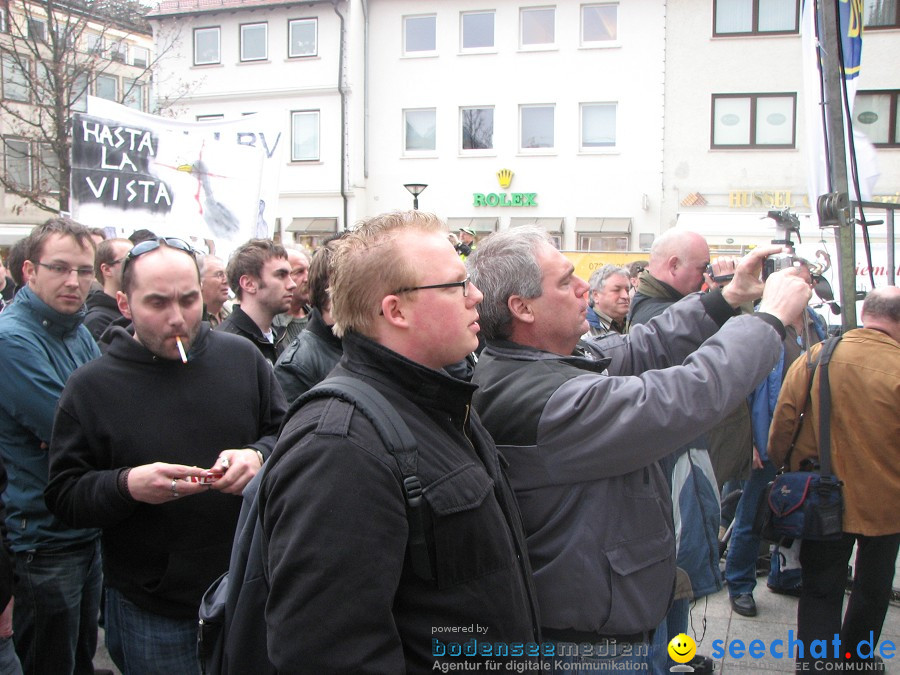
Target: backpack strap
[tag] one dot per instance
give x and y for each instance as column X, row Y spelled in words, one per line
column 399, row 442
column 825, row 406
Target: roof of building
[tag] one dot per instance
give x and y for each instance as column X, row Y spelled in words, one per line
column 177, row 7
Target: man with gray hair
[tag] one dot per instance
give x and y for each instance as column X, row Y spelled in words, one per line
column 582, row 429
column 608, row 301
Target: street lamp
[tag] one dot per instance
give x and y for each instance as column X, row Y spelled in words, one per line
column 415, row 189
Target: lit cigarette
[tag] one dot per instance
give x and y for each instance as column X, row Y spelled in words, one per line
column 181, row 349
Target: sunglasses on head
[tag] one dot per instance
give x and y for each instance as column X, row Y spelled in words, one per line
column 153, row 244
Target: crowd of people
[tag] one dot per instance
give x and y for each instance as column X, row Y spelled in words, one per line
column 572, row 442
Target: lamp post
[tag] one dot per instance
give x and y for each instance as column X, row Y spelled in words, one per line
column 415, row 189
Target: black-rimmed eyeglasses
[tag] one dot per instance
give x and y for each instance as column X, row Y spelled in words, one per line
column 152, row 245
column 464, row 285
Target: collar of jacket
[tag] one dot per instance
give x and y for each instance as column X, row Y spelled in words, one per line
column 242, row 320
column 320, row 329
column 654, row 288
column 581, row 358
column 425, row 387
column 57, row 324
column 123, row 345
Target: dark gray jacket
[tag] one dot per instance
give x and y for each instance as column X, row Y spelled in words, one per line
column 583, row 446
column 308, row 359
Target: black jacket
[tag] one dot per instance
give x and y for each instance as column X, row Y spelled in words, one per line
column 102, row 310
column 239, row 323
column 129, row 408
column 343, row 597
column 308, row 359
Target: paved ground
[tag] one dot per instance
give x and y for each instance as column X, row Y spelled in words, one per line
column 712, row 619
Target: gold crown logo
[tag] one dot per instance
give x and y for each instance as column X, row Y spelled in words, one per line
column 504, row 177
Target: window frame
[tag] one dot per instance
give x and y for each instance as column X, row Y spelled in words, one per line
column 536, row 46
column 754, row 23
column 462, row 135
column 593, row 44
column 884, row 26
column 255, row 24
column 601, row 236
column 34, row 21
column 315, row 22
column 206, row 29
column 211, row 117
column 462, row 35
column 539, row 150
column 418, row 152
column 113, row 78
column 8, row 59
column 752, row 145
column 318, row 117
column 134, row 57
column 42, row 169
column 893, row 112
column 420, row 52
column 129, row 86
column 26, row 155
column 598, row 149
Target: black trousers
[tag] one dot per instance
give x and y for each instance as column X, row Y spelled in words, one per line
column 824, row 565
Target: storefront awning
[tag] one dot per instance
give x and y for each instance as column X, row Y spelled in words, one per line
column 477, row 224
column 603, row 225
column 552, row 225
column 313, row 225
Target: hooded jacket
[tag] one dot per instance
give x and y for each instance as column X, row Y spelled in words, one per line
column 39, row 349
column 130, row 408
column 102, row 310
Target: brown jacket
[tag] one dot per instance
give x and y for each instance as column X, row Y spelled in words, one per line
column 864, row 375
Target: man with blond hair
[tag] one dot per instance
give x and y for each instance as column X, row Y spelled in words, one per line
column 403, row 304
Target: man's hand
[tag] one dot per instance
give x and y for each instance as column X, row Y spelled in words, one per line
column 6, row 625
column 786, row 295
column 746, row 285
column 240, row 467
column 757, row 462
column 159, row 482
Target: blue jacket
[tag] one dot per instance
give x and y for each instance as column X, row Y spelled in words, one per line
column 39, row 349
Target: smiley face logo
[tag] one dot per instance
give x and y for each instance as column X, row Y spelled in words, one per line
column 682, row 648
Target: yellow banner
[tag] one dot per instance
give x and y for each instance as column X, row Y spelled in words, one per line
column 586, row 262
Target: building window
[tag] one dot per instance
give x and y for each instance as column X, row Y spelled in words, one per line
column 476, row 30
column 303, row 37
column 134, row 94
column 15, row 79
column 477, row 128
column 254, row 42
column 537, row 27
column 210, row 118
column 752, row 17
column 877, row 114
column 37, row 29
column 206, row 46
column 305, row 136
column 93, row 43
column 610, row 241
column 118, row 51
column 881, row 14
column 140, row 57
column 107, row 86
column 419, row 130
column 598, row 125
column 48, row 170
column 4, row 27
column 17, row 163
column 79, row 92
column 599, row 24
column 419, row 34
column 536, row 127
column 754, row 120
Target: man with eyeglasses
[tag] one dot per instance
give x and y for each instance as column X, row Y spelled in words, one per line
column 352, row 586
column 102, row 308
column 214, row 288
column 42, row 341
column 154, row 443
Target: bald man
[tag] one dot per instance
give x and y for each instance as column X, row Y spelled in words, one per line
column 864, row 375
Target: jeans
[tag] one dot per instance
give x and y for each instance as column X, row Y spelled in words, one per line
column 824, row 565
column 743, row 547
column 57, row 603
column 618, row 656
column 143, row 643
column 675, row 623
column 9, row 661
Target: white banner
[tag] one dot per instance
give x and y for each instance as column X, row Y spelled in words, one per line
column 202, row 180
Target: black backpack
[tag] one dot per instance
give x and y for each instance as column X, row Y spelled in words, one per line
column 232, row 626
